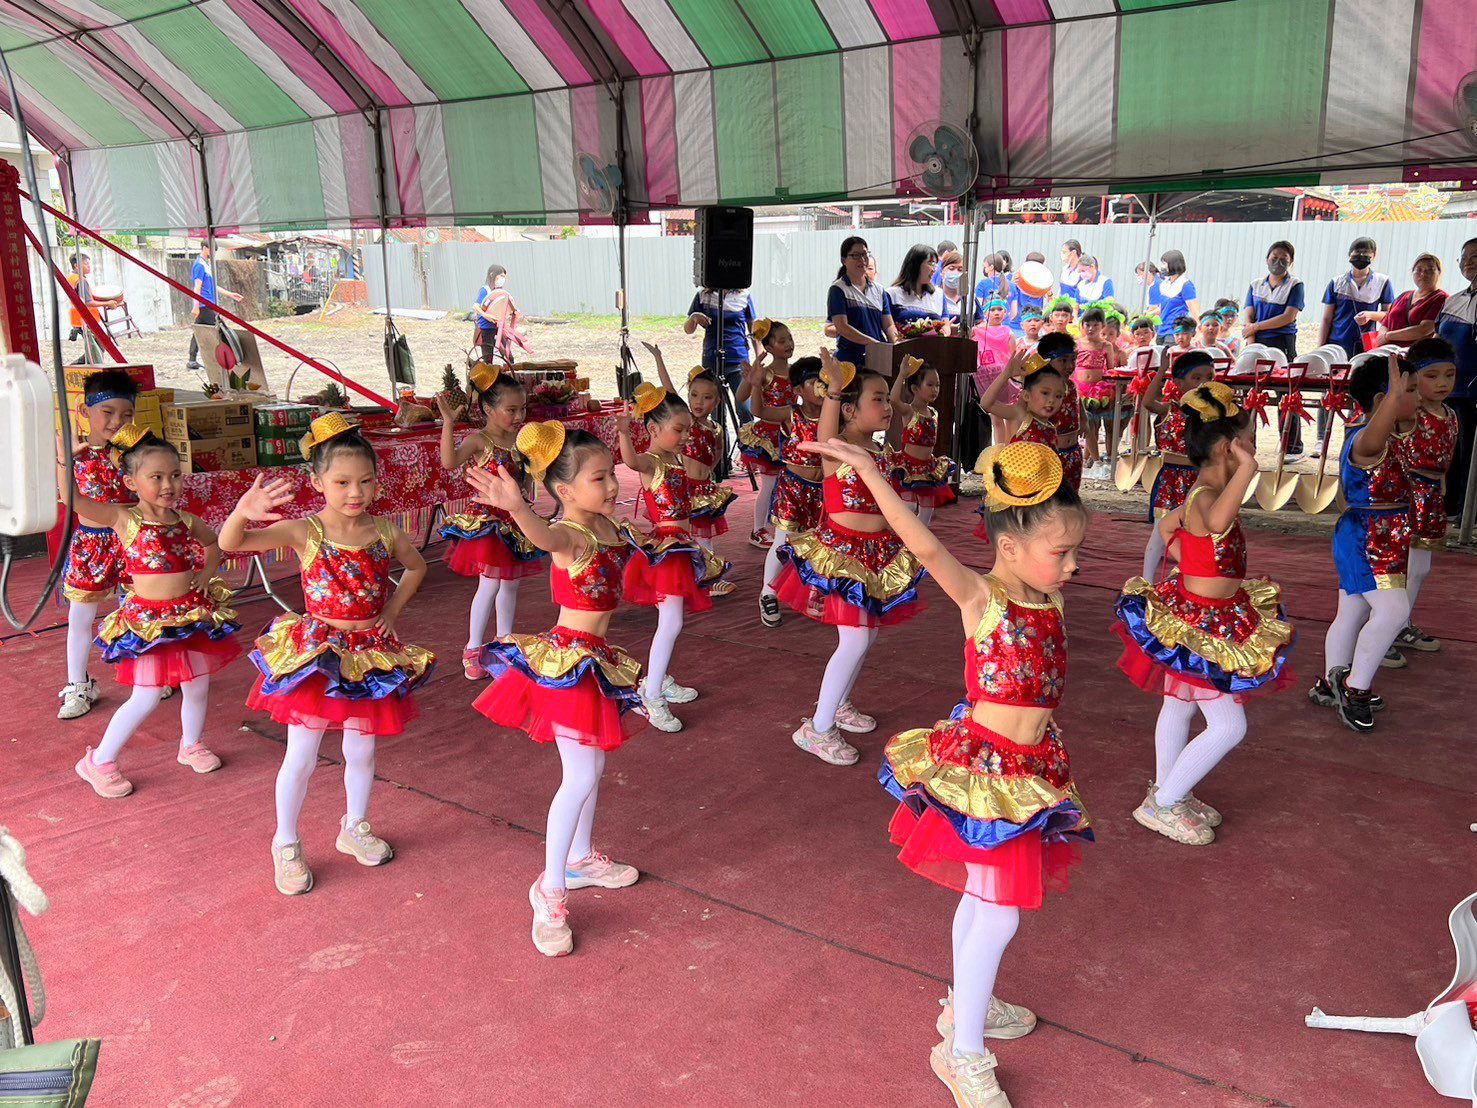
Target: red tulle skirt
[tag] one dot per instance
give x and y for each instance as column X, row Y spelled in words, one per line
column 514, row 700
column 1017, row 873
column 674, row 575
column 832, row 609
column 308, row 705
column 489, row 556
column 708, row 528
column 174, row 663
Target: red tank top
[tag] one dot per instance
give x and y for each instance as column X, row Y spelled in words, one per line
column 1067, row 419
column 802, row 429
column 1034, row 430
column 593, row 583
column 669, row 499
column 1431, row 443
column 160, row 547
column 346, row 582
column 493, row 459
column 778, row 392
column 702, row 443
column 1018, row 653
column 98, row 478
column 1170, row 434
column 845, row 491
column 922, row 430
column 1222, row 555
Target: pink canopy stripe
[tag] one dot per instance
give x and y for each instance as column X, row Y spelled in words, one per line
column 1448, row 52
column 359, row 167
column 535, row 20
column 119, row 46
column 628, row 36
column 1026, row 54
column 1022, row 11
column 586, row 104
column 332, row 32
column 659, row 133
column 406, row 156
column 905, row 19
column 307, row 70
column 914, row 101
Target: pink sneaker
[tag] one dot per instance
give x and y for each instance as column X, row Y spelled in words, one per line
column 551, row 932
column 472, row 665
column 850, row 718
column 598, row 871
column 828, row 746
column 105, row 779
column 199, row 758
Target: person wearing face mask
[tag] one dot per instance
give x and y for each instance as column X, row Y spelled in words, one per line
column 1271, row 318
column 1353, row 304
column 494, row 312
column 1177, row 294
column 1071, row 269
column 951, row 275
column 1091, row 285
column 1457, row 324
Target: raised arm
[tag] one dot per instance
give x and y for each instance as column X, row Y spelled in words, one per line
column 641, row 463
column 1223, row 511
column 453, row 456
column 1153, row 395
column 1015, row 369
column 1371, row 443
column 415, row 572
column 661, row 366
column 829, row 425
column 262, row 504
column 499, row 490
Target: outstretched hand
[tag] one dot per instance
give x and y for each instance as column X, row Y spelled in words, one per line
column 448, row 413
column 1016, row 367
column 495, row 490
column 653, row 349
column 261, row 502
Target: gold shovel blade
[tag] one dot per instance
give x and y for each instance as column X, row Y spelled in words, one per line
column 1274, row 490
column 1313, row 497
column 1129, row 471
column 1151, row 469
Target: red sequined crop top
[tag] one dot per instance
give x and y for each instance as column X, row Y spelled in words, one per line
column 98, row 478
column 669, row 499
column 1222, row 555
column 702, row 443
column 346, row 582
column 1169, row 436
column 150, row 547
column 1034, row 430
column 845, row 491
column 777, row 392
column 802, row 429
column 922, row 429
column 592, row 583
column 493, row 459
column 1067, row 419
column 1018, row 652
column 1431, row 443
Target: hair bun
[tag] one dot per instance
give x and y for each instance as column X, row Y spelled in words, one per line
column 1215, row 400
column 647, row 397
column 540, row 443
column 760, row 328
column 1019, row 474
column 323, row 428
column 483, row 376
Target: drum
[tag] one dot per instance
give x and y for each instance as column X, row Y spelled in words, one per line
column 1033, row 279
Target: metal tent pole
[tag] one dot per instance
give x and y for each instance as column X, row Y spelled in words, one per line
column 1149, row 248
column 384, row 213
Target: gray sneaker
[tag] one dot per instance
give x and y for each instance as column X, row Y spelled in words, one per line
column 1176, row 821
column 77, row 699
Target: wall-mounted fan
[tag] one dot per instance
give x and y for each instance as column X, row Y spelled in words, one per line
column 599, row 183
column 943, row 161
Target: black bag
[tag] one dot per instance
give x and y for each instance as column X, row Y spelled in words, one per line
column 398, row 359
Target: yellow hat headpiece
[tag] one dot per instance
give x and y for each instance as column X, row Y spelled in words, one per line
column 322, row 429
column 695, row 372
column 1019, row 474
column 760, row 328
column 1215, row 400
column 910, row 365
column 836, row 376
column 125, row 438
column 483, row 376
column 540, row 443
column 647, row 398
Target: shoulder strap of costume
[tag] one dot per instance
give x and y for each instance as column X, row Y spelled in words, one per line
column 132, row 520
column 386, row 531
column 994, row 611
column 314, row 541
column 592, row 544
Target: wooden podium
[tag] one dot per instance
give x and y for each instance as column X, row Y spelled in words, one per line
column 953, row 357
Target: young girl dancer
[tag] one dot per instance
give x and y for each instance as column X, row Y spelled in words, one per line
column 920, row 478
column 1206, row 637
column 710, row 500
column 1176, row 472
column 1428, row 448
column 987, row 804
column 797, row 496
column 173, row 627
column 486, row 545
column 568, row 686
column 1371, row 542
column 767, row 390
column 94, row 571
column 340, row 665
column 674, row 572
column 1093, row 357
column 852, row 571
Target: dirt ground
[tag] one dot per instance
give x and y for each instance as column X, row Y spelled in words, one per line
column 353, row 341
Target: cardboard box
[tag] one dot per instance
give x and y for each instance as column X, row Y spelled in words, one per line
column 231, row 452
column 279, row 450
column 207, row 419
column 76, row 376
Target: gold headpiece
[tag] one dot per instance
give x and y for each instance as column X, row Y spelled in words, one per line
column 322, row 429
column 910, row 365
column 1213, row 401
column 128, row 436
column 647, row 397
column 836, row 376
column 484, row 376
column 540, row 443
column 760, row 328
column 1019, row 474
column 694, row 373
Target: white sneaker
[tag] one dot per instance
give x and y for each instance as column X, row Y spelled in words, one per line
column 674, row 693
column 1175, row 821
column 1002, row 1020
column 850, row 718
column 828, row 746
column 660, row 715
column 969, row 1077
column 77, row 699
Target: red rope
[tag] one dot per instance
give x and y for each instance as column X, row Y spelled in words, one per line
column 99, row 332
column 368, row 394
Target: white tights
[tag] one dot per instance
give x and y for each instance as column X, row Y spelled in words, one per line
column 925, row 513
column 1416, row 573
column 1153, row 553
column 298, row 765
column 764, row 501
column 1181, row 763
column 982, row 931
column 845, row 666
column 1364, row 628
column 194, row 699
column 492, row 593
column 772, row 561
column 669, row 614
column 80, row 621
column 572, row 812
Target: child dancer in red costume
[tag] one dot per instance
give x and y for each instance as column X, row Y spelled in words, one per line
column 673, row 572
column 852, row 571
column 797, row 497
column 1176, row 472
column 1031, row 416
column 1427, row 447
column 173, row 627
column 1206, row 637
column 767, row 390
column 94, row 571
column 921, row 478
column 987, row 805
column 486, row 545
column 340, row 665
column 568, row 686
column 710, row 500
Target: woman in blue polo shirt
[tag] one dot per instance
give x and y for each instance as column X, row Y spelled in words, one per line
column 1271, row 318
column 1177, row 295
column 738, row 315
column 857, row 306
column 1092, row 286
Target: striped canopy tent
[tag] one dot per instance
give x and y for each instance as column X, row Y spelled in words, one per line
column 178, row 114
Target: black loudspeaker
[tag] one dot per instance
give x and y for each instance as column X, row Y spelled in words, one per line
column 723, row 248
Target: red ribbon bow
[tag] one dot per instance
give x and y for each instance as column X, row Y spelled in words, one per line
column 1292, row 405
column 1256, row 403
column 1139, row 385
column 1340, row 403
